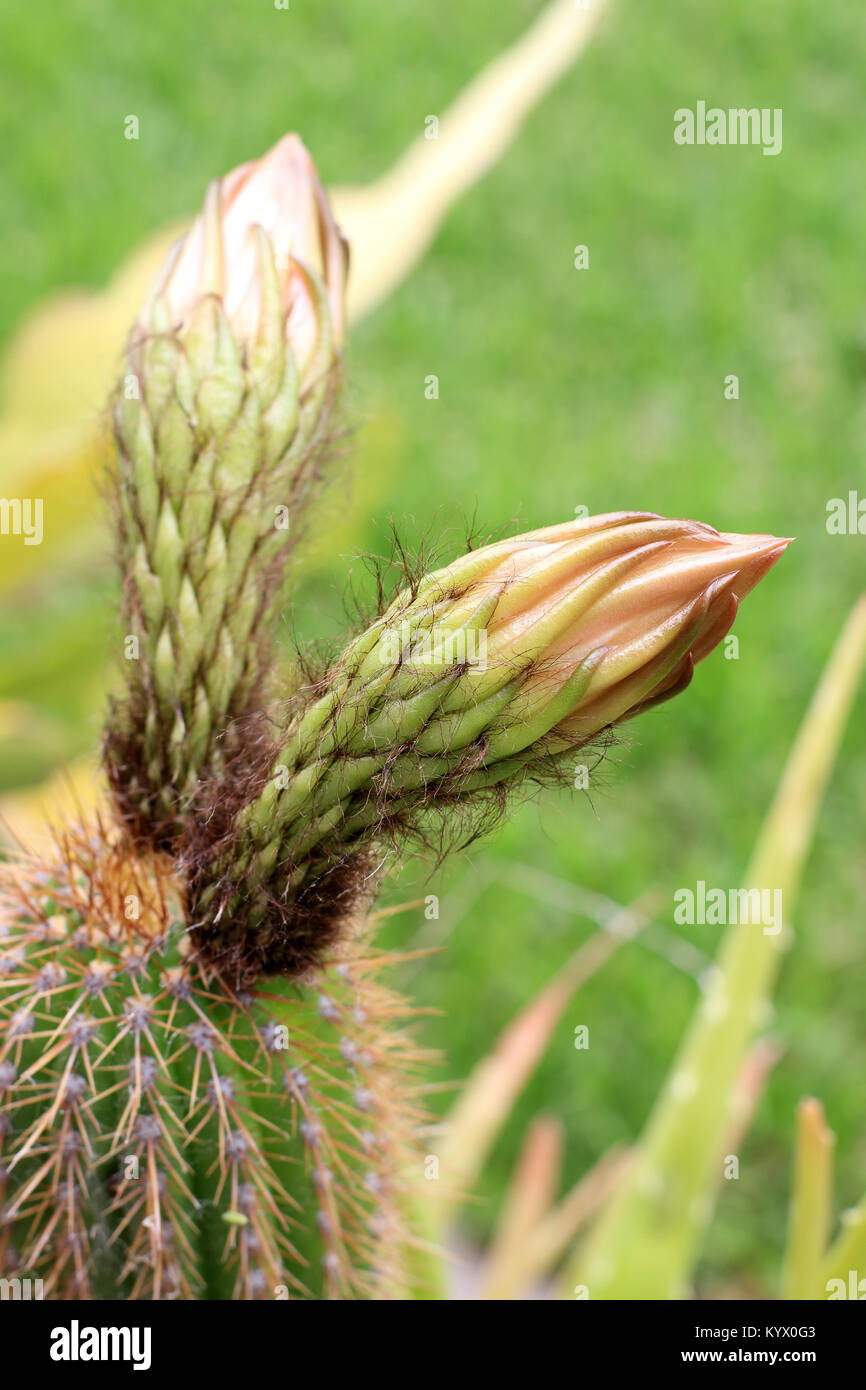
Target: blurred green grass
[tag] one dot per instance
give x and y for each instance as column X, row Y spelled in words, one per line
column 558, row 388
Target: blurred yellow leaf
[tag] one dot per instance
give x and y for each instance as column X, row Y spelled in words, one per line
column 391, row 223
column 55, row 378
column 26, row 817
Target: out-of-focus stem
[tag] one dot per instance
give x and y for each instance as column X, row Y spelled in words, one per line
column 809, row 1222
column 547, row 1241
column 531, row 1193
column 848, row 1254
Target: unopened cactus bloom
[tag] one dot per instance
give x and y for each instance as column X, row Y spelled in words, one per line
column 559, row 631
column 489, row 671
column 615, row 611
column 270, row 213
column 223, row 424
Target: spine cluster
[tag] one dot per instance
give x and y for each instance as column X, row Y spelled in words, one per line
column 166, row 1136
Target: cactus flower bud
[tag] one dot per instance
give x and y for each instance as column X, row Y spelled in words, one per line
column 281, row 197
column 629, row 601
column 221, row 422
column 489, row 671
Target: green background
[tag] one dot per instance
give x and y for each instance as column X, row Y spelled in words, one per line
column 558, row 388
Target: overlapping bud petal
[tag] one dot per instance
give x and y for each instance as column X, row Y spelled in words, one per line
column 606, row 615
column 267, row 246
column 558, row 632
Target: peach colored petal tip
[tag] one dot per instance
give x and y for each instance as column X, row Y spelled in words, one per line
column 281, row 196
column 641, row 597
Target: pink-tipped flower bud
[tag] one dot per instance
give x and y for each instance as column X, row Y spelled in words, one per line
column 631, row 599
column 269, row 215
column 223, row 422
column 581, row 625
column 489, row 670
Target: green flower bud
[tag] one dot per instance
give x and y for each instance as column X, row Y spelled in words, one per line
column 490, row 671
column 220, row 421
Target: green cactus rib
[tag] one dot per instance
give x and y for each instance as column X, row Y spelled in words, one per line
column 219, row 452
column 165, row 1137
